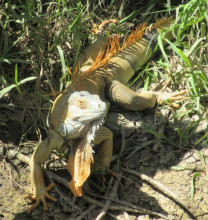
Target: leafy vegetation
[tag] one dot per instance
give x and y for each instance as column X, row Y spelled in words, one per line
column 41, row 40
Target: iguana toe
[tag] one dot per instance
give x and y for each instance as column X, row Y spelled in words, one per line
column 168, row 98
column 29, row 210
column 41, row 197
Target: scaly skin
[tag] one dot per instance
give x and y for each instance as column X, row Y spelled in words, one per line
column 94, row 91
column 77, row 112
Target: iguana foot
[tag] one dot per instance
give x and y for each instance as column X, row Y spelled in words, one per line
column 41, row 196
column 168, row 98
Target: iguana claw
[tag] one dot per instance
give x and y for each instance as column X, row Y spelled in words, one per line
column 42, row 198
column 168, row 98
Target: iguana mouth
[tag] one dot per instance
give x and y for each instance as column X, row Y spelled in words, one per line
column 74, row 129
column 88, row 117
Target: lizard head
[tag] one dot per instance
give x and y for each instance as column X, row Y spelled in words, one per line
column 83, row 110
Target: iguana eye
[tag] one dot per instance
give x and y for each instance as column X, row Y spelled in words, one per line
column 81, row 103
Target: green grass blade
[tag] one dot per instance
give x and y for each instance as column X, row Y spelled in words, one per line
column 139, row 147
column 4, row 60
column 162, row 47
column 16, row 75
column 16, row 60
column 195, row 90
column 61, row 54
column 201, row 139
column 193, row 184
column 194, row 46
column 146, row 83
column 16, row 79
column 180, row 53
column 193, row 86
column 130, row 16
column 73, row 23
column 6, row 90
column 9, row 88
column 14, row 43
column 157, row 134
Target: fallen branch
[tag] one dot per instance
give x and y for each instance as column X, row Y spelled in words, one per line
column 50, row 175
column 134, row 209
column 161, row 187
column 113, row 194
column 67, row 200
column 86, row 212
column 19, row 156
column 124, row 208
column 196, row 168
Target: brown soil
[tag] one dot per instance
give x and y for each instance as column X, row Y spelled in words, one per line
column 154, row 160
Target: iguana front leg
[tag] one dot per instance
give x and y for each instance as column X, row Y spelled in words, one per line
column 41, row 154
column 127, row 98
column 104, row 137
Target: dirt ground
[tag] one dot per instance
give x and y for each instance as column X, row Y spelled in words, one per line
column 158, row 160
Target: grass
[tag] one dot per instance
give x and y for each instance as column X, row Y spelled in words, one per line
column 41, row 40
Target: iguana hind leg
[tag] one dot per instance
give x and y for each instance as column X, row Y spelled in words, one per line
column 104, row 138
column 127, row 98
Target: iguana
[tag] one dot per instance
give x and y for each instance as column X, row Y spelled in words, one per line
column 79, row 110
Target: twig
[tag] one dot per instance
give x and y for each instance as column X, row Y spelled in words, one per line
column 166, row 85
column 19, row 156
column 104, row 210
column 158, row 185
column 114, row 216
column 85, row 213
column 113, row 194
column 10, row 175
column 134, row 209
column 57, row 178
column 197, row 168
column 124, row 203
column 67, row 200
column 124, row 208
